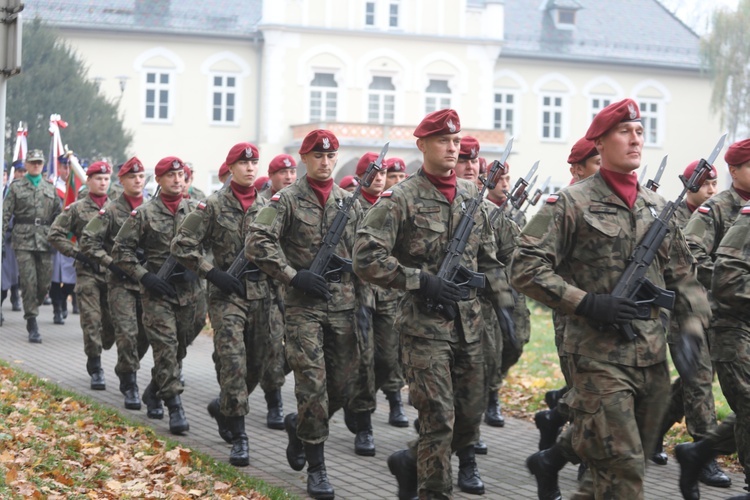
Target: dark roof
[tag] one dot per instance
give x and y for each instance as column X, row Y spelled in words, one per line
column 223, row 18
column 632, row 32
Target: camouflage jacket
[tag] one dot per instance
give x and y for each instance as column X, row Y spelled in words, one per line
column 286, row 235
column 98, row 237
column 219, row 224
column 407, row 232
column 579, row 242
column 196, row 194
column 114, row 191
column 506, row 232
column 380, row 294
column 71, row 223
column 266, row 193
column 682, row 215
column 707, row 226
column 33, row 209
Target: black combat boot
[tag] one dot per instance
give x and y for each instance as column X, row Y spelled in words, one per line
column 317, row 477
column 154, row 408
column 15, row 299
column 364, row 442
column 659, row 457
column 240, row 454
column 275, row 415
column 692, row 457
column 403, row 465
column 129, row 389
column 178, row 423
column 94, row 367
column 396, row 415
column 554, row 396
column 469, row 480
column 480, row 447
column 549, row 423
column 57, row 317
column 712, row 475
column 34, row 336
column 545, row 465
column 350, row 420
column 214, row 409
column 494, row 415
column 295, row 450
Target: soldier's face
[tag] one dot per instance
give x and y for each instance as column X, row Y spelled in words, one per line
column 283, row 178
column 393, row 178
column 468, row 169
column 63, row 171
column 503, row 185
column 133, row 183
column 244, row 172
column 440, row 153
column 709, row 188
column 98, row 184
column 34, row 167
column 172, row 183
column 620, row 148
column 320, row 165
column 584, row 170
column 378, row 184
column 741, row 176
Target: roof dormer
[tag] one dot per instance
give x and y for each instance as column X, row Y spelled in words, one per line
column 563, row 13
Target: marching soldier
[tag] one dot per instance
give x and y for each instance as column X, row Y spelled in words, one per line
column 400, row 244
column 282, row 172
column 396, row 171
column 34, row 205
column 174, row 307
column 91, row 285
column 321, row 341
column 63, row 267
column 191, row 191
column 584, row 160
column 123, row 293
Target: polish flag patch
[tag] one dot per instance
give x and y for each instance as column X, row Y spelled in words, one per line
column 704, row 209
column 386, row 194
column 67, row 208
column 201, row 206
column 134, row 213
column 102, row 211
column 276, row 197
column 552, row 199
column 745, row 210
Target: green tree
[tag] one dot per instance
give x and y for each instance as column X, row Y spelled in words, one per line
column 726, row 52
column 54, row 80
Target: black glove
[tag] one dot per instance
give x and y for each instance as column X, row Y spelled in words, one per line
column 442, row 291
column 158, row 285
column 117, row 271
column 687, row 354
column 607, row 309
column 311, row 283
column 85, row 261
column 508, row 326
column 225, row 281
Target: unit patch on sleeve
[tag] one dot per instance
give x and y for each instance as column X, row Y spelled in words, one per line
column 704, row 209
column 552, row 199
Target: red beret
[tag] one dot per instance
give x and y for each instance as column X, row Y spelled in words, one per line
column 260, row 183
column 395, row 164
column 188, row 171
column 223, row 170
column 444, row 121
column 133, row 165
column 168, row 164
column 242, row 151
column 469, row 148
column 364, row 162
column 348, row 181
column 319, row 140
column 280, row 162
column 691, row 168
column 626, row 110
column 98, row 167
column 482, row 165
column 738, row 153
column 582, row 151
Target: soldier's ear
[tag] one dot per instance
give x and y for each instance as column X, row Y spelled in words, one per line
column 421, row 145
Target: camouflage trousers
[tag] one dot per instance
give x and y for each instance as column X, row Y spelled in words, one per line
column 617, row 413
column 130, row 335
column 321, row 348
column 446, row 380
column 241, row 344
column 734, row 377
column 492, row 348
column 276, row 368
column 96, row 322
column 363, row 388
column 388, row 372
column 35, row 272
column 510, row 353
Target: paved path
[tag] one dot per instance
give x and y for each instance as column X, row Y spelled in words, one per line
column 60, row 359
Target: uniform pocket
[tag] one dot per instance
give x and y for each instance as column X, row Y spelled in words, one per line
column 601, row 423
column 427, row 233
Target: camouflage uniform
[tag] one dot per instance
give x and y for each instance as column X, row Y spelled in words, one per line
column 241, row 324
column 196, row 194
column 91, row 285
column 33, row 209
column 579, row 242
column 406, row 233
column 321, row 341
column 171, row 324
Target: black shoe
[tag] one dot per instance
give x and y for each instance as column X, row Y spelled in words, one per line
column 57, row 317
column 178, row 423
column 349, row 420
column 154, row 408
column 295, row 450
column 549, row 426
column 396, row 415
column 318, row 485
column 712, row 475
column 545, row 474
column 275, row 415
column 240, row 454
column 480, row 448
column 403, row 465
column 15, row 299
column 129, row 389
column 689, row 457
column 469, row 480
column 494, row 415
column 34, row 336
column 553, row 397
column 659, row 456
column 214, row 409
column 364, row 442
column 94, row 367
column 64, row 308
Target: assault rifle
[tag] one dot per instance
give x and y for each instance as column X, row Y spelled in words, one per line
column 653, row 184
column 514, row 196
column 451, row 268
column 633, row 283
column 533, row 200
column 242, row 269
column 326, row 263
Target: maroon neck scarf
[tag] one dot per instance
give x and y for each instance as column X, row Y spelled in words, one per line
column 371, row 198
column 625, row 186
column 446, row 185
column 100, row 200
column 745, row 195
column 691, row 207
column 322, row 189
column 171, row 202
column 244, row 194
column 497, row 202
column 133, row 201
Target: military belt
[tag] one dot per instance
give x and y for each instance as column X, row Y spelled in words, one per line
column 34, row 222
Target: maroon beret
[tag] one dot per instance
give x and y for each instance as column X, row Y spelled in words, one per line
column 133, row 165
column 98, row 167
column 469, row 148
column 348, row 181
column 280, row 162
column 188, row 172
column 395, row 164
column 626, row 110
column 223, row 170
column 444, row 121
column 364, row 162
column 322, row 141
column 260, row 183
column 168, row 164
column 242, row 151
column 582, row 151
column 738, row 153
column 482, row 165
column 691, row 168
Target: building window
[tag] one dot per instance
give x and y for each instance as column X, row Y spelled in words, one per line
column 323, row 98
column 224, row 99
column 438, row 96
column 565, row 16
column 381, row 101
column 158, row 88
column 369, row 13
column 393, row 15
column 505, row 112
column 599, row 103
column 650, row 111
column 552, row 117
